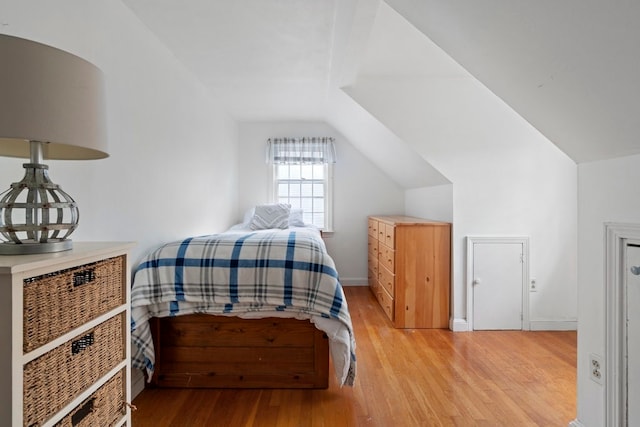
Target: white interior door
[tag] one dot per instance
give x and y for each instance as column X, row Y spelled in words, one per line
column 632, row 309
column 497, row 286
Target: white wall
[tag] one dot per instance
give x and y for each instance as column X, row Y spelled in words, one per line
column 507, row 179
column 430, row 202
column 360, row 189
column 172, row 172
column 606, row 194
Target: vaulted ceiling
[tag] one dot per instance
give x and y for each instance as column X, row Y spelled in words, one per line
column 569, row 68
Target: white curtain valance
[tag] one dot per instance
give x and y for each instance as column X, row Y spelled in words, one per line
column 301, row 150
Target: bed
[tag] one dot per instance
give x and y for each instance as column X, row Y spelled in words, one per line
column 245, row 309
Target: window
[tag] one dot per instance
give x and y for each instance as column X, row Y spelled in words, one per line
column 305, row 187
column 303, row 177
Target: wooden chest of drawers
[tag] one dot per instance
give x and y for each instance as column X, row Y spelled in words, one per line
column 64, row 328
column 410, row 269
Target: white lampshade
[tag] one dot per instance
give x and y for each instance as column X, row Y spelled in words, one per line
column 52, row 96
column 51, row 107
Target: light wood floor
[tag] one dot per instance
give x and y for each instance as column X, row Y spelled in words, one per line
column 404, row 378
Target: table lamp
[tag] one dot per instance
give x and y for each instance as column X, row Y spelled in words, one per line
column 51, row 106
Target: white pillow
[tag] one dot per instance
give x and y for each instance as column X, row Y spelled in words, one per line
column 270, row 216
column 295, row 218
column 248, row 215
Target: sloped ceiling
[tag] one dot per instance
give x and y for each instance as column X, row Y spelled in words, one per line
column 570, row 68
column 284, row 60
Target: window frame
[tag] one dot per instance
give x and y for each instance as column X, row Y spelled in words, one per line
column 328, row 192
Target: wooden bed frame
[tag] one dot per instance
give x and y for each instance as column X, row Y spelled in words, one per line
column 206, row 351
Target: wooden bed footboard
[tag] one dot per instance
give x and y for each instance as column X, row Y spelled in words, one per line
column 206, row 351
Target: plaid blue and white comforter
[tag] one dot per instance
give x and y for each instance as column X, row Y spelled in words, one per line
column 266, row 273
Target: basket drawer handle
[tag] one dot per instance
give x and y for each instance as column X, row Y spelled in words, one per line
column 82, row 343
column 83, row 277
column 82, row 413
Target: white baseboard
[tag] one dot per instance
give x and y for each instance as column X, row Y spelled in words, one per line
column 137, row 382
column 576, row 423
column 354, row 281
column 553, row 325
column 461, row 325
column 458, row 325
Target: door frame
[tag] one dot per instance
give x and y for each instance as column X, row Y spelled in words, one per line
column 524, row 240
column 617, row 236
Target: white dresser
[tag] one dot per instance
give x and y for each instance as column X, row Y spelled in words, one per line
column 64, row 337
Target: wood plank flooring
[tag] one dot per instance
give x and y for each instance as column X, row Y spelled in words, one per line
column 404, row 378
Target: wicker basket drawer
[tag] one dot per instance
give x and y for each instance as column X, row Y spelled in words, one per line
column 54, row 379
column 105, row 407
column 56, row 303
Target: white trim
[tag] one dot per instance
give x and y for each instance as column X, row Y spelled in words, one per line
column 271, row 180
column 576, row 423
column 458, row 325
column 524, row 240
column 137, row 382
column 616, row 237
column 328, row 198
column 553, row 325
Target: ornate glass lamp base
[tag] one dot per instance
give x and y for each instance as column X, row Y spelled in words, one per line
column 28, row 247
